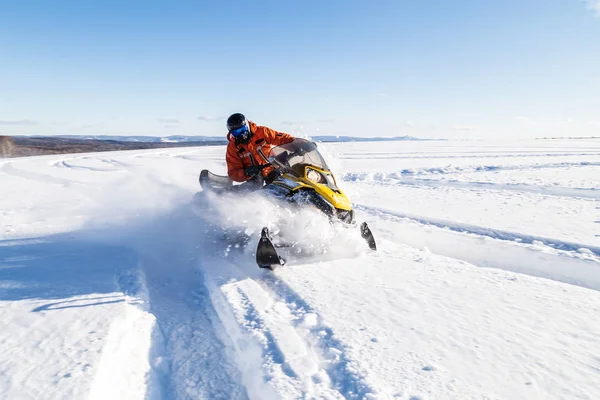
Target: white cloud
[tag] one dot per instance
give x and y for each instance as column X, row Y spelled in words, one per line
column 168, row 120
column 296, row 123
column 208, row 118
column 465, row 128
column 526, row 120
column 594, row 5
column 90, row 126
column 568, row 121
column 410, row 124
column 20, row 122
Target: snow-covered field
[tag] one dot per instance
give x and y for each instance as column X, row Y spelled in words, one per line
column 116, row 284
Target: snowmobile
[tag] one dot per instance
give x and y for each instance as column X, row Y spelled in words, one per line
column 300, row 176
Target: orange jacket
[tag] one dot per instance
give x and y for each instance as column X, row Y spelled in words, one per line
column 256, row 152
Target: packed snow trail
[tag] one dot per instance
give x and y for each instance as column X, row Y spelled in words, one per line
column 194, row 361
column 488, row 232
column 112, row 285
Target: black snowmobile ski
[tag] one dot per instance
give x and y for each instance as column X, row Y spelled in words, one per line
column 266, row 254
column 366, row 233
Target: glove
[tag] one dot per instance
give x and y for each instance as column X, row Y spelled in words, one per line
column 272, row 176
column 253, row 170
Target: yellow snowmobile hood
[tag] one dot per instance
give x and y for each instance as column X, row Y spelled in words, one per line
column 336, row 198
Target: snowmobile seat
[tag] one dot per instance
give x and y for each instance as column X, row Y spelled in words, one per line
column 222, row 184
column 210, row 181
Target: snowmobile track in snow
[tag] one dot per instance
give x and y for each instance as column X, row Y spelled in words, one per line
column 486, row 247
column 10, row 169
column 279, row 338
column 453, row 155
column 332, row 352
column 483, row 231
column 585, row 193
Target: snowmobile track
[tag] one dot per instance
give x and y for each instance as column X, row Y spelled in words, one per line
column 332, row 352
column 483, row 231
column 580, row 268
column 278, row 337
column 10, row 169
column 585, row 193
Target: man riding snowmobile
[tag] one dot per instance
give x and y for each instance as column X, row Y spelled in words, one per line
column 248, row 151
column 295, row 173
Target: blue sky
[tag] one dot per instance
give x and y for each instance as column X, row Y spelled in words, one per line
column 455, row 69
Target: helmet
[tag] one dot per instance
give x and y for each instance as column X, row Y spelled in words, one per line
column 238, row 127
column 235, row 121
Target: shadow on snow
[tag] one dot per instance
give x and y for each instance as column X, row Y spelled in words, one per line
column 60, row 267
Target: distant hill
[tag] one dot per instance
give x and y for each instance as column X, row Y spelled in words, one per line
column 21, row 146
column 362, row 139
column 146, row 139
column 223, row 140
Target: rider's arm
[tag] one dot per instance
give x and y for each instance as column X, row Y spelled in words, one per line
column 276, row 138
column 235, row 167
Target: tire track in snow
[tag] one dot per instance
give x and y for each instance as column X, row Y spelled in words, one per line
column 113, row 162
column 453, row 155
column 278, row 337
column 333, row 353
column 398, row 180
column 491, row 248
column 67, row 163
column 488, row 232
column 287, row 362
column 247, row 351
column 9, row 169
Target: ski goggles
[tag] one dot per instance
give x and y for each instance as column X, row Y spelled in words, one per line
column 241, row 131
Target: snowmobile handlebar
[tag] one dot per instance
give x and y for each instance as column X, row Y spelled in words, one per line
column 255, row 169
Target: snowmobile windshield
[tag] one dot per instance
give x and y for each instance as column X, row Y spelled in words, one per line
column 298, row 152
